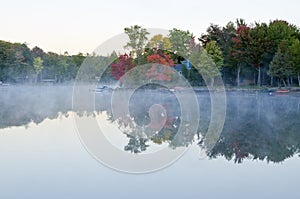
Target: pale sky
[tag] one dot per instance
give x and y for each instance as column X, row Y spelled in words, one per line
column 80, row 26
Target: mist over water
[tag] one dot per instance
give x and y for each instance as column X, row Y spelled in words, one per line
column 22, row 104
column 258, row 125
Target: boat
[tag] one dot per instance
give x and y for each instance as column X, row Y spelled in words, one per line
column 283, row 91
column 102, row 89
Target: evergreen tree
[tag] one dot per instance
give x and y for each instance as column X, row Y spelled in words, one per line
column 280, row 66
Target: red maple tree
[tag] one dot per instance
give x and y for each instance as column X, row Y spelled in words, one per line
column 121, row 66
column 160, row 69
column 240, row 42
column 160, row 58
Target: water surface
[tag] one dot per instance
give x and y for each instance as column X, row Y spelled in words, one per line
column 256, row 156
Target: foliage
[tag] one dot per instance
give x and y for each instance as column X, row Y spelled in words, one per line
column 161, row 68
column 295, row 58
column 160, row 58
column 38, row 65
column 181, row 41
column 240, row 51
column 15, row 62
column 279, row 30
column 19, row 64
column 280, row 65
column 159, row 42
column 137, row 39
column 121, row 66
column 259, row 44
column 37, row 52
column 240, row 42
column 215, row 53
column 202, row 61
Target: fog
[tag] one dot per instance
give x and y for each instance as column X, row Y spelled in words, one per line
column 21, row 105
column 258, row 125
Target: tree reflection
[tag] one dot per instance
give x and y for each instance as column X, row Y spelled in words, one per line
column 136, row 144
column 258, row 126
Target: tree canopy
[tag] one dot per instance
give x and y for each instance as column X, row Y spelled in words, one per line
column 245, row 54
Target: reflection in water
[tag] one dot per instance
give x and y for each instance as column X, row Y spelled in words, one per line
column 258, row 125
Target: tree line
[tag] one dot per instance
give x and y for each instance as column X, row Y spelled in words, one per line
column 19, row 64
column 261, row 54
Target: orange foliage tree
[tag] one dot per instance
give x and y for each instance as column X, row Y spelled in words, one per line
column 161, row 68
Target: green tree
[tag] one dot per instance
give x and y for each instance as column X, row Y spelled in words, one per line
column 38, row 67
column 202, row 61
column 181, row 41
column 280, row 66
column 295, row 58
column 213, row 33
column 62, row 68
column 15, row 62
column 215, row 53
column 50, row 62
column 137, row 39
column 74, row 63
column 159, row 42
column 4, row 46
column 223, row 37
column 279, row 30
column 257, row 48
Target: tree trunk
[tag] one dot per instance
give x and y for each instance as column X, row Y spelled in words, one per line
column 36, row 78
column 258, row 77
column 212, row 80
column 238, row 75
column 263, row 77
column 298, row 79
column 284, row 82
column 272, row 80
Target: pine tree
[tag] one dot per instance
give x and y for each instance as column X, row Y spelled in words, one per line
column 280, row 66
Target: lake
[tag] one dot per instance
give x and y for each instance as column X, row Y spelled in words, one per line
column 147, row 143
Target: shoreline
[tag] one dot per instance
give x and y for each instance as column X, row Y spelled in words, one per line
column 197, row 88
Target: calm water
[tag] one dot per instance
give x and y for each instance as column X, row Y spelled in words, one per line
column 42, row 154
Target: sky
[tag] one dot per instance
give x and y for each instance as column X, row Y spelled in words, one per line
column 80, row 26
